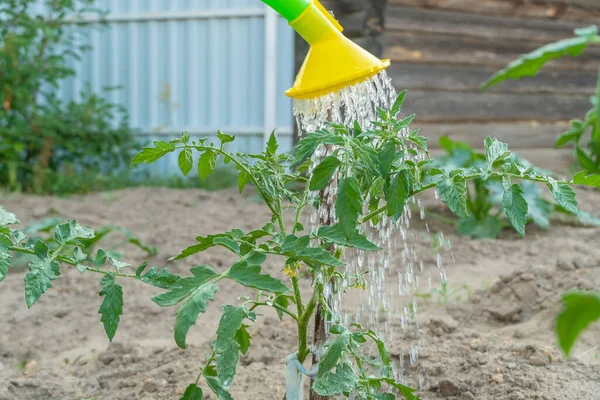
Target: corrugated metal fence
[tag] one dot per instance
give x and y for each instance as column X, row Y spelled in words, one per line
column 192, row 65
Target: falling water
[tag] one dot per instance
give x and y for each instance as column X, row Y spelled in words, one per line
column 377, row 306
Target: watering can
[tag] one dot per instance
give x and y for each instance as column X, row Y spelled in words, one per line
column 333, row 61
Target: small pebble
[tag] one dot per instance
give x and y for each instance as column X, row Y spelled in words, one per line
column 149, row 386
column 498, row 378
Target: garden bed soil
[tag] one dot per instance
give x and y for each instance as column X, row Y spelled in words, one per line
column 490, row 337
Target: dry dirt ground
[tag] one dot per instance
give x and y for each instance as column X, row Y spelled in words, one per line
column 489, row 337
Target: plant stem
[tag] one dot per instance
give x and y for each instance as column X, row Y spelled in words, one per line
column 297, row 295
column 276, row 306
column 303, row 321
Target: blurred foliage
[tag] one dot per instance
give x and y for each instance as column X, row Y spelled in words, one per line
column 586, row 147
column 42, row 137
column 485, row 197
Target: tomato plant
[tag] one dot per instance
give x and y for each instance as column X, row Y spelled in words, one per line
column 587, row 149
column 377, row 173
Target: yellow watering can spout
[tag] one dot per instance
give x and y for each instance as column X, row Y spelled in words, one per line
column 333, row 61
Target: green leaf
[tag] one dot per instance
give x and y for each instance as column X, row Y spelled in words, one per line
column 334, row 353
column 343, row 380
column 283, row 301
column 323, row 172
column 231, row 322
column 564, row 196
column 243, row 180
column 162, row 279
column 299, row 248
column 495, row 151
column 406, row 391
column 585, row 161
column 248, row 274
column 243, row 337
column 186, row 161
column 386, row 157
column 103, row 255
column 205, row 243
column 398, row 193
column 579, row 311
column 538, row 208
column 225, row 138
column 397, row 106
column 192, row 392
column 111, row 308
column 272, row 145
column 5, row 257
column 228, row 243
column 515, row 206
column 227, row 363
column 529, row 64
column 349, row 204
column 582, row 178
column 187, row 314
column 215, row 385
column 37, row 280
column 207, row 164
column 202, row 274
column 71, row 231
column 7, row 218
column 78, row 256
column 488, row 228
column 150, row 154
column 453, row 192
column 335, row 234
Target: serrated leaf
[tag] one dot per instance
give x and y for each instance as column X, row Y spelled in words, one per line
column 529, row 64
column 343, row 380
column 224, row 138
column 398, row 193
column 453, row 192
column 187, row 314
column 564, row 196
column 205, row 243
column 335, row 234
column 111, row 308
column 323, row 172
column 248, row 274
column 215, row 385
column 227, row 363
column 5, row 257
column 150, row 154
column 207, row 164
column 185, row 161
column 515, row 206
column 102, row 256
column 242, row 180
column 243, row 338
column 231, row 322
column 202, row 274
column 161, row 279
column 192, row 392
column 272, row 145
column 37, row 281
column 397, row 106
column 538, row 208
column 228, row 243
column 334, row 353
column 582, row 178
column 282, row 301
column 495, row 151
column 78, row 257
column 7, row 218
column 585, row 160
column 348, row 205
column 406, row 391
column 70, row 231
column 299, row 248
column 580, row 309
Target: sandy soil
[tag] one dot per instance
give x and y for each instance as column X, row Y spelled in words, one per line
column 490, row 337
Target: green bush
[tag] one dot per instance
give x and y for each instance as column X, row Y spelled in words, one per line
column 41, row 136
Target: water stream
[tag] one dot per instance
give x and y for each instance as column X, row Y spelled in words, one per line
column 379, row 304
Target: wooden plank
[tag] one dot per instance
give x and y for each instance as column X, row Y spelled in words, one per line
column 554, row 160
column 437, row 48
column 417, row 20
column 434, row 106
column 545, row 9
column 441, row 77
column 523, row 135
